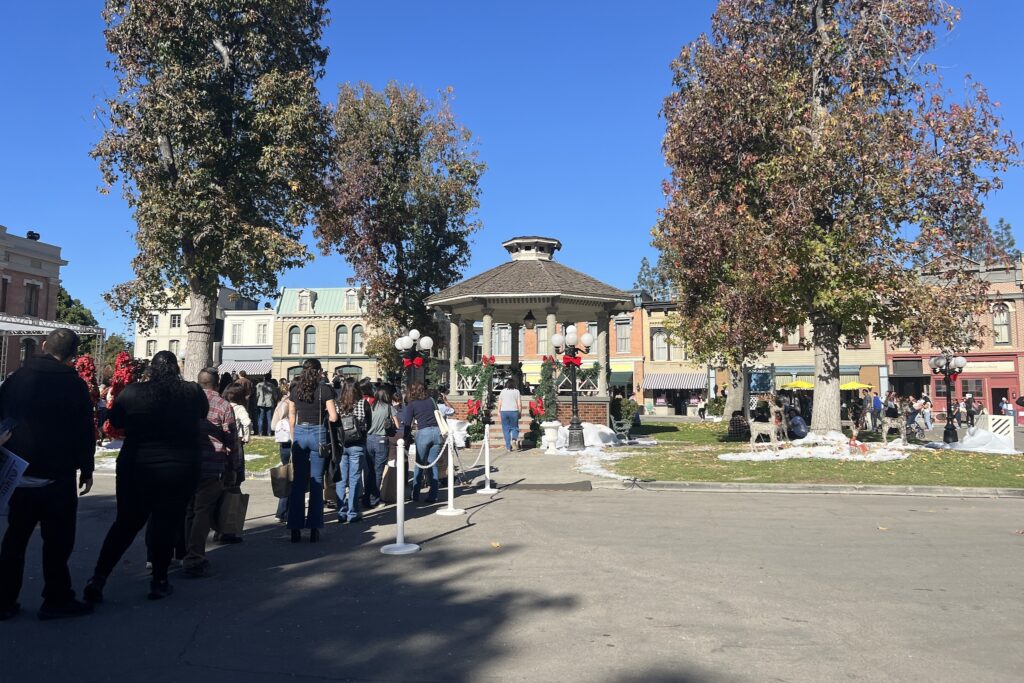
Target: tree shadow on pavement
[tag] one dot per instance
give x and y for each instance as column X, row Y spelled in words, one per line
column 336, row 610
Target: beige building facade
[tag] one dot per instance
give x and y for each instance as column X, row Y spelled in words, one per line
column 326, row 323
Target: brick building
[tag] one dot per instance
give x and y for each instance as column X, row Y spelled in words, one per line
column 993, row 369
column 29, row 284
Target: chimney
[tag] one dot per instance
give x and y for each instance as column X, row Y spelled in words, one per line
column 32, row 235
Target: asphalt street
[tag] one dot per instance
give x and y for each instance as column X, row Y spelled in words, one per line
column 605, row 586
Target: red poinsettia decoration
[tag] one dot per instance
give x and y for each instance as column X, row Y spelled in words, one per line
column 85, row 366
column 472, row 408
column 125, row 371
column 537, row 407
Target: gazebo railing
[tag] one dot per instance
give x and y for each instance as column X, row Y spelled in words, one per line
column 585, row 386
column 466, row 385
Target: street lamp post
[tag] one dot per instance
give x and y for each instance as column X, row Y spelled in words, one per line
column 414, row 349
column 950, row 367
column 572, row 361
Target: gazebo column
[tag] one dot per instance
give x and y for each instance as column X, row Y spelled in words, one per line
column 517, row 375
column 467, row 341
column 454, row 357
column 552, row 322
column 488, row 331
column 602, row 353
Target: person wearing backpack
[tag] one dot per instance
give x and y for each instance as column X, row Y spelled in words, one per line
column 352, row 411
column 383, row 424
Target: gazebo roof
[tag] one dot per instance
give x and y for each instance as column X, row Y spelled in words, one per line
column 532, row 272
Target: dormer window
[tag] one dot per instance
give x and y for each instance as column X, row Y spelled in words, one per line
column 307, row 300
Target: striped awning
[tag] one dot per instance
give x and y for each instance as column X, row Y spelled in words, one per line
column 250, row 367
column 675, row 380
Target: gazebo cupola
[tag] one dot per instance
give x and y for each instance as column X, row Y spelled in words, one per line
column 532, row 248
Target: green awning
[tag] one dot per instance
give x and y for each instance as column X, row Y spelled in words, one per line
column 620, row 379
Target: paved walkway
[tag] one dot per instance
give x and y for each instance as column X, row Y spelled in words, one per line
column 603, row 586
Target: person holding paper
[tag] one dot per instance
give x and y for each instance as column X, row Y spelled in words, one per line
column 54, row 432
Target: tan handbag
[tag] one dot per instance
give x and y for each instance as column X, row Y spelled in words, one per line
column 231, row 513
column 281, row 478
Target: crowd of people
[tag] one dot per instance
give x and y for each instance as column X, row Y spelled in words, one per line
column 183, row 450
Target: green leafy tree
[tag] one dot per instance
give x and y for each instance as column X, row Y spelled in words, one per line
column 1000, row 245
column 404, row 188
column 221, row 141
column 814, row 155
column 652, row 280
column 113, row 345
column 73, row 311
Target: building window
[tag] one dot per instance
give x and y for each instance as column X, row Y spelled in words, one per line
column 32, row 300
column 154, row 321
column 346, row 371
column 542, row 340
column 794, row 340
column 522, row 341
column 261, row 333
column 341, row 340
column 501, row 340
column 676, row 351
column 294, row 371
column 351, row 302
column 1001, row 323
column 357, row 339
column 175, row 320
column 972, row 386
column 478, row 346
column 310, row 336
column 623, row 336
column 659, row 343
column 151, row 348
column 592, row 329
column 28, row 348
column 172, row 346
column 3, row 295
column 293, row 341
column 236, row 333
column 304, row 302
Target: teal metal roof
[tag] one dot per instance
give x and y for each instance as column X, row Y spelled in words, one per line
column 329, row 301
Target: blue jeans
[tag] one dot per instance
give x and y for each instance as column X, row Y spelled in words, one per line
column 282, row 503
column 377, row 447
column 510, row 427
column 309, row 474
column 428, row 445
column 263, row 417
column 351, row 476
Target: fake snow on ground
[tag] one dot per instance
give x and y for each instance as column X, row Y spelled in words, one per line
column 831, row 446
column 595, row 458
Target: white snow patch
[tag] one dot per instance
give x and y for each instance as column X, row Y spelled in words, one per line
column 826, row 452
column 105, row 463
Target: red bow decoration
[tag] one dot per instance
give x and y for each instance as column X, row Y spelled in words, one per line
column 415, row 362
column 572, row 360
column 472, row 407
column 537, row 407
column 952, row 378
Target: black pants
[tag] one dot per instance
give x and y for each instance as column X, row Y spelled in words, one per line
column 158, row 495
column 53, row 508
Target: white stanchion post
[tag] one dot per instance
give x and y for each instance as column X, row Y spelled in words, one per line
column 487, row 488
column 450, row 510
column 400, row 547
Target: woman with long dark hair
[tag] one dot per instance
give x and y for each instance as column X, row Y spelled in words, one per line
column 351, row 405
column 157, row 469
column 311, row 405
column 420, row 409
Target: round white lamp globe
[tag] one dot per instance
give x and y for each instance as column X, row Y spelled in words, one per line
column 426, row 343
column 414, row 334
column 406, row 343
column 570, row 330
column 587, row 339
column 571, row 338
column 557, row 340
column 398, row 344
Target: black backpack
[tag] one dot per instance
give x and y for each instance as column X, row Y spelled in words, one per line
column 353, row 432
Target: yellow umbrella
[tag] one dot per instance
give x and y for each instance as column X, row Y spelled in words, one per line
column 853, row 386
column 798, row 384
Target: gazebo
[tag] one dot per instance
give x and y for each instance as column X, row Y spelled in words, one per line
column 531, row 285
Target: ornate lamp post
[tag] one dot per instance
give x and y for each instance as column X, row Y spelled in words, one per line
column 572, row 361
column 950, row 367
column 415, row 351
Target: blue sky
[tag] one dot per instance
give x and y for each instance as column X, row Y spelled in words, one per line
column 563, row 98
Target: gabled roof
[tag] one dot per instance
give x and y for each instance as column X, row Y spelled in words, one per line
column 327, row 301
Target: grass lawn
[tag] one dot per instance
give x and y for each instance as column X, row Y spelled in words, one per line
column 689, row 452
column 264, row 446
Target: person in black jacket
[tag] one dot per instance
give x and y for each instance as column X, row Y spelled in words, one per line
column 157, row 470
column 55, row 433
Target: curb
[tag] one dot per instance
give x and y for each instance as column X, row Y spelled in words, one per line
column 819, row 489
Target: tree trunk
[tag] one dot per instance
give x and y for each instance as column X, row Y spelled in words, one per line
column 200, row 321
column 734, row 401
column 825, row 413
